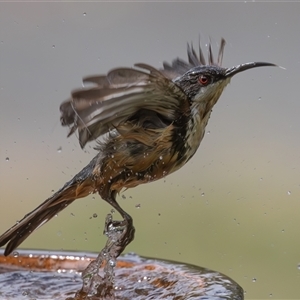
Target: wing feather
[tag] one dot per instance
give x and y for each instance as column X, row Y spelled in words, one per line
column 100, row 80
column 120, row 94
column 94, row 111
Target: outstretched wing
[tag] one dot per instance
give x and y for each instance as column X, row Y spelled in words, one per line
column 118, row 96
column 123, row 92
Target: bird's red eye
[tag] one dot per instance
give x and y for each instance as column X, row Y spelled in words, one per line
column 204, row 79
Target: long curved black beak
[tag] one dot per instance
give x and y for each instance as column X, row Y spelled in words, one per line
column 243, row 67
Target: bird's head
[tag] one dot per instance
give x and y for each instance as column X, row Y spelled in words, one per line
column 202, row 82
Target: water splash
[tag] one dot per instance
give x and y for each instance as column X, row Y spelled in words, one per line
column 99, row 277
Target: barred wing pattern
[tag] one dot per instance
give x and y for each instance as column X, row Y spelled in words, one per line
column 117, row 97
column 121, row 93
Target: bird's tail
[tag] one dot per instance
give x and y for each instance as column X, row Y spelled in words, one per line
column 80, row 186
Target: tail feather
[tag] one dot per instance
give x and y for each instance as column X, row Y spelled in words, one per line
column 80, row 186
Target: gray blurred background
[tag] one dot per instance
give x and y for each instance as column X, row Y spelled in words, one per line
column 235, row 206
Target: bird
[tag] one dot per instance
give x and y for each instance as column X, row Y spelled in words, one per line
column 146, row 122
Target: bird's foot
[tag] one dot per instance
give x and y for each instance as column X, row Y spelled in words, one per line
column 120, row 234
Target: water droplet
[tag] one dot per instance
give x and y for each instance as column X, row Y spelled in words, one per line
column 203, row 194
column 7, row 158
column 160, row 157
column 53, row 46
column 259, row 98
column 59, row 149
column 15, row 254
column 289, row 192
column 123, row 196
column 208, row 132
column 84, row 14
column 253, row 279
column 299, row 266
column 282, row 230
column 138, row 206
column 95, row 215
column 112, row 263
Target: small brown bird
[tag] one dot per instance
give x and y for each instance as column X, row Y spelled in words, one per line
column 147, row 122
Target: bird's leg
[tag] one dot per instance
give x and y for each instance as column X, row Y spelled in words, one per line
column 120, row 234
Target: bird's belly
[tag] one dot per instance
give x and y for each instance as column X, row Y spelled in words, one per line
column 158, row 166
column 136, row 158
